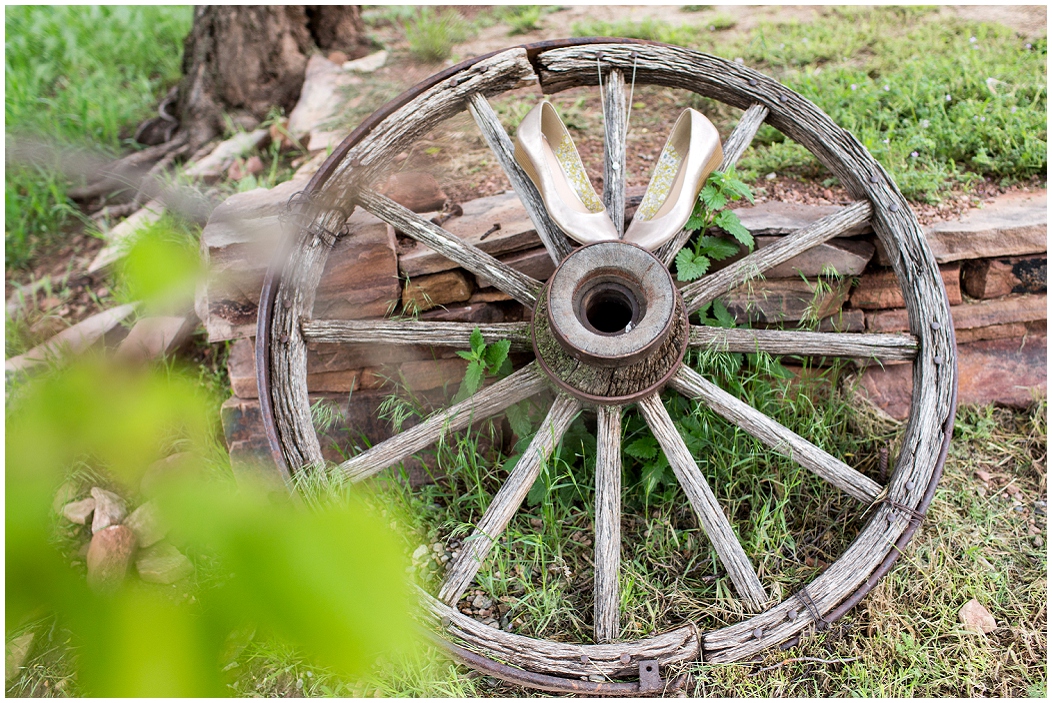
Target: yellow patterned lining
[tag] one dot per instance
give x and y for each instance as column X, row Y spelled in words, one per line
column 571, row 164
column 661, row 183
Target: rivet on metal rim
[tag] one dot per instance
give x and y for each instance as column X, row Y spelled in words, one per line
column 894, row 207
column 937, row 360
column 936, row 326
column 284, row 339
column 910, row 485
column 649, row 678
column 626, row 658
column 287, row 304
column 585, row 659
column 758, row 633
column 791, row 615
column 752, row 81
column 783, row 98
column 874, row 178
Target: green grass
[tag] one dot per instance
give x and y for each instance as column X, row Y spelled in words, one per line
column 904, row 640
column 78, row 76
column 431, row 35
column 939, row 102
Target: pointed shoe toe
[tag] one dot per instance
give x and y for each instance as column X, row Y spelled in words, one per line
column 691, row 153
column 550, row 159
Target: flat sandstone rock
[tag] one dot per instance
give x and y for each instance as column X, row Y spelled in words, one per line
column 1010, row 372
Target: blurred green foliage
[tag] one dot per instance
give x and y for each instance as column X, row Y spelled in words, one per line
column 329, row 579
column 162, row 264
column 78, row 75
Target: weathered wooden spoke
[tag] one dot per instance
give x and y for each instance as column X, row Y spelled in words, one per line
column 717, row 526
column 706, row 289
column 516, row 284
column 508, row 499
column 435, row 334
column 487, row 402
column 736, row 144
column 608, row 524
column 882, row 347
column 615, row 148
column 783, row 440
column 557, row 243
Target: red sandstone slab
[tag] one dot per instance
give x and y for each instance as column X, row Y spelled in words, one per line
column 1010, row 372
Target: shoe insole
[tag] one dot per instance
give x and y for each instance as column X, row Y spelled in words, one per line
column 573, row 194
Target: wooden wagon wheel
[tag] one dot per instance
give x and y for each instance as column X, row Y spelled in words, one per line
column 635, row 368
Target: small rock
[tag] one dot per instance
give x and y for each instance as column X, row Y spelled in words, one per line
column 236, row 171
column 165, row 470
column 163, row 563
column 146, row 524
column 977, row 618
column 66, row 492
column 982, row 476
column 366, row 64
column 109, row 555
column 536, row 522
column 254, row 166
column 109, row 509
column 1039, row 542
column 771, row 176
column 437, row 548
column 416, row 190
column 80, row 511
column 1012, row 490
column 17, row 651
column 338, row 57
column 419, row 553
column 481, row 602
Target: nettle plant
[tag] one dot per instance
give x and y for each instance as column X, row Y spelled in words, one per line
column 695, row 259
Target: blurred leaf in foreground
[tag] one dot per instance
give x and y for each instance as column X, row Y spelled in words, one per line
column 329, row 580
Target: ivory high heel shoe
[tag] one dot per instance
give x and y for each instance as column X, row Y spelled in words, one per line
column 547, row 154
column 692, row 152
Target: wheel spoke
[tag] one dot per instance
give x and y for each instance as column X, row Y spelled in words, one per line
column 508, row 498
column 489, row 401
column 607, row 524
column 614, row 149
column 434, row 334
column 516, row 284
column 884, row 347
column 557, row 243
column 708, row 288
column 733, row 149
column 776, row 435
column 701, row 497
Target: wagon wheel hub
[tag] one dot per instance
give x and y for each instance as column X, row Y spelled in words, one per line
column 610, row 326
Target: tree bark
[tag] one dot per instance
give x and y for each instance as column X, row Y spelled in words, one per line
column 242, row 61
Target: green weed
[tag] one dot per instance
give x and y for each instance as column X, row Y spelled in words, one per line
column 431, row 35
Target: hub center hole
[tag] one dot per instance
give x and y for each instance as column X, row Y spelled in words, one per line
column 609, row 311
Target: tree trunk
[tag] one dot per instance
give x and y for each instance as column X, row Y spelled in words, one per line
column 242, row 61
